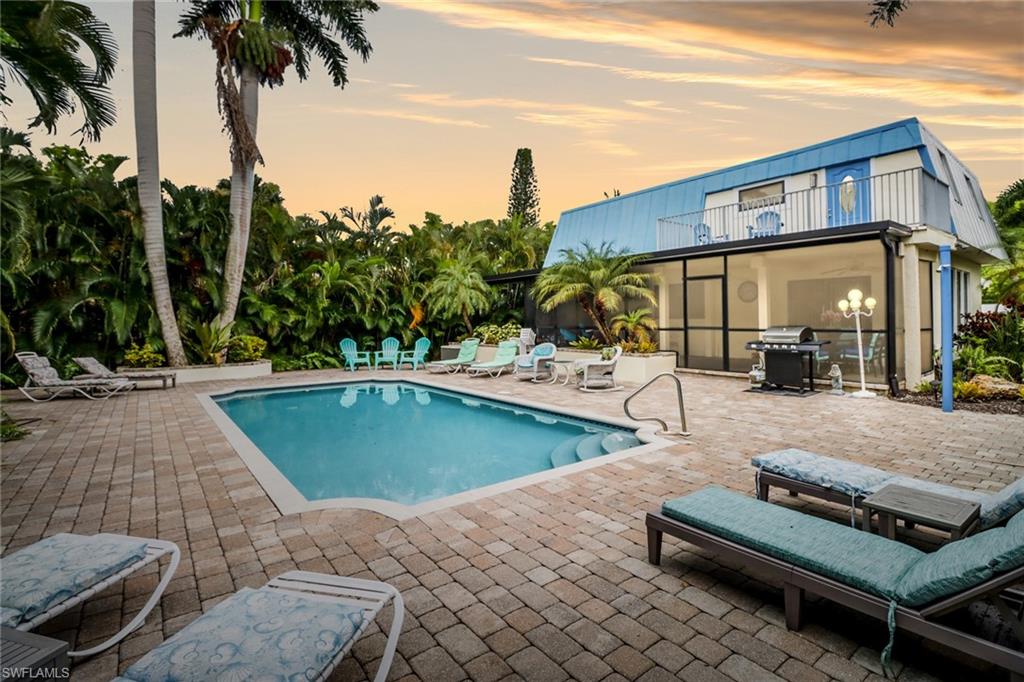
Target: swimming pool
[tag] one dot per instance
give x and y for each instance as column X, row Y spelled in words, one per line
column 398, row 446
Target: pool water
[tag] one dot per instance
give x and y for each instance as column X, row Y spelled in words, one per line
column 407, row 443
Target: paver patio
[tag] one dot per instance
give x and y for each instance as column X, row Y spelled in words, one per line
column 548, row 582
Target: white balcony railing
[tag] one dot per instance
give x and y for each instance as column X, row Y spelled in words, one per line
column 912, row 197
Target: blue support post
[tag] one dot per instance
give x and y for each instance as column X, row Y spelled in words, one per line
column 946, row 296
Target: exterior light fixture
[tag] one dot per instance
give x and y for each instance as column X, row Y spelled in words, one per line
column 856, row 306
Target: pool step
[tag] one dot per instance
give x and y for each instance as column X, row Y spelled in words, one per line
column 616, row 441
column 590, row 446
column 565, row 453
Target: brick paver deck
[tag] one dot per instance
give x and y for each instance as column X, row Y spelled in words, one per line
column 548, row 582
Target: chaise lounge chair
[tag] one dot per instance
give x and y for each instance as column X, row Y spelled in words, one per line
column 352, row 355
column 599, row 374
column 536, row 364
column 415, row 357
column 44, row 384
column 45, row 579
column 94, row 369
column 504, row 359
column 298, row 626
column 896, row 583
column 845, row 482
column 388, row 353
column 465, row 358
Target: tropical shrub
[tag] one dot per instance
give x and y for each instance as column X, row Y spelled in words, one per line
column 970, row 361
column 211, row 342
column 637, row 325
column 493, row 333
column 9, row 429
column 586, row 343
column 313, row 360
column 924, row 387
column 639, row 347
column 246, row 348
column 965, row 390
column 143, row 356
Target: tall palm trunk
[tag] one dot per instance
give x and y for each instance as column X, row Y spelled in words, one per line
column 148, row 152
column 243, row 173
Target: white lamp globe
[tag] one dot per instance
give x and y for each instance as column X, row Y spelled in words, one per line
column 855, row 304
column 855, row 295
column 844, row 305
column 870, row 303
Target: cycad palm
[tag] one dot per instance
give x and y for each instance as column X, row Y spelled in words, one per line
column 459, row 289
column 598, row 278
column 637, row 324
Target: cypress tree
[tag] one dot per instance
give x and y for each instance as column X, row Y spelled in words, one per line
column 523, row 198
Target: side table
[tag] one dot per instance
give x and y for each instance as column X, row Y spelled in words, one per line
column 957, row 517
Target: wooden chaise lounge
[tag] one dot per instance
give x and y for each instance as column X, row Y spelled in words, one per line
column 848, row 483
column 893, row 582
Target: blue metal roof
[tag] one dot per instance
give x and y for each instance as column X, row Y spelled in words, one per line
column 629, row 221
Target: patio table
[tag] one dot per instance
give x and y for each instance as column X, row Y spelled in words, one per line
column 564, row 367
column 958, row 517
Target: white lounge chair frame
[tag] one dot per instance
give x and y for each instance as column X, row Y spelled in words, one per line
column 599, row 374
column 87, row 388
column 369, row 595
column 155, row 549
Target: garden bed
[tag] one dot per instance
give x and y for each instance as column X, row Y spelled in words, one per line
column 194, row 373
column 987, row 405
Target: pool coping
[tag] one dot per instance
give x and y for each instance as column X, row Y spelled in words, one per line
column 287, row 498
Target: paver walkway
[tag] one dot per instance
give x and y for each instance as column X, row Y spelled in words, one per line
column 548, row 582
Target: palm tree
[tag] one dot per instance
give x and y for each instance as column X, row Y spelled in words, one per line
column 368, row 230
column 148, row 152
column 637, row 324
column 258, row 42
column 459, row 289
column 598, row 279
column 41, row 42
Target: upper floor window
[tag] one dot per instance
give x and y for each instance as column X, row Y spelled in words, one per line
column 949, row 177
column 974, row 195
column 762, row 195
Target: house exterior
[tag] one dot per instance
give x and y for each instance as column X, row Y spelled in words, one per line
column 779, row 240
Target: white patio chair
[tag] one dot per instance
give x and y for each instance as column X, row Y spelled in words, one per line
column 599, row 374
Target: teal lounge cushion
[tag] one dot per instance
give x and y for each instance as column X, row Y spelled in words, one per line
column 961, row 565
column 266, row 634
column 1000, row 506
column 863, row 560
column 840, row 475
column 55, row 569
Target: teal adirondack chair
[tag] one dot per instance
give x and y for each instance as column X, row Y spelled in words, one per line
column 352, row 355
column 416, row 356
column 466, row 357
column 388, row 353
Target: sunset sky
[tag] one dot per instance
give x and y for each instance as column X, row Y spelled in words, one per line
column 607, row 94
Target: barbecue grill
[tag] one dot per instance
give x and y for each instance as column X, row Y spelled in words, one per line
column 789, row 354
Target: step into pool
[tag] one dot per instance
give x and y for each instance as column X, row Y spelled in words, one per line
column 409, row 443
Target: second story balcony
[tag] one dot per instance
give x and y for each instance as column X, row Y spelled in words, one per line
column 912, row 197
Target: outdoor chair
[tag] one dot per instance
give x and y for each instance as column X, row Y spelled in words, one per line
column 845, row 482
column 902, row 586
column 465, row 358
column 504, row 359
column 388, row 353
column 599, row 374
column 352, row 355
column 94, row 369
column 44, row 384
column 416, row 356
column 536, row 364
column 767, row 224
column 390, row 394
column 298, row 626
column 57, row 573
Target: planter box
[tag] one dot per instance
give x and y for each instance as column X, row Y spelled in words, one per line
column 194, row 373
column 631, row 369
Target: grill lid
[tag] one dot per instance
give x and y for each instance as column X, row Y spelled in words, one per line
column 788, row 335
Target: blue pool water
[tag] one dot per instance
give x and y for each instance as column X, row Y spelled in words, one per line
column 406, row 443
